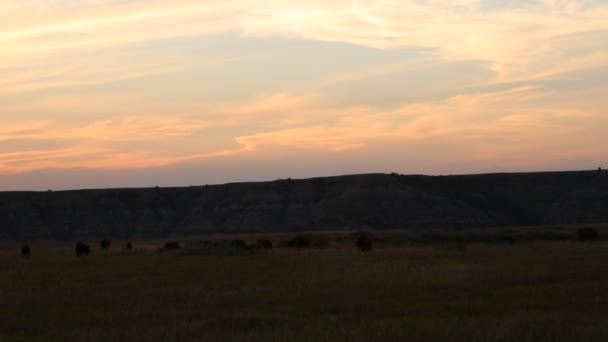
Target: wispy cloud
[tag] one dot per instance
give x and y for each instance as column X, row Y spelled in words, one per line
column 490, row 127
column 514, row 41
column 79, row 75
column 493, row 126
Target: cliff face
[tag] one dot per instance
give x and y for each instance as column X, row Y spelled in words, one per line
column 345, row 202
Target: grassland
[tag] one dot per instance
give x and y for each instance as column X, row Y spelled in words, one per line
column 438, row 286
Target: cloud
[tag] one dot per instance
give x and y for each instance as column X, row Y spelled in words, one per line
column 118, row 143
column 516, row 42
column 22, row 161
column 54, row 53
column 123, row 129
column 489, row 128
column 511, row 40
column 503, row 125
column 92, row 70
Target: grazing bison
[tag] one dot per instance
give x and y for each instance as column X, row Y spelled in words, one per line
column 587, row 234
column 265, row 244
column 172, row 245
column 26, row 251
column 240, row 244
column 82, row 249
column 300, row 241
column 105, row 244
column 364, row 243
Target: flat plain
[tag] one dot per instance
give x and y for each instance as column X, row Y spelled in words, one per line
column 524, row 284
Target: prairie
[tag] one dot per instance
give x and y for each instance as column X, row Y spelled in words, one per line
column 525, row 284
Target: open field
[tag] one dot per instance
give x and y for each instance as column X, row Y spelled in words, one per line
column 461, row 286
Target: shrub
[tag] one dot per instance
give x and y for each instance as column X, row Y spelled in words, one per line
column 587, row 234
column 105, row 244
column 364, row 243
column 128, row 245
column 82, row 249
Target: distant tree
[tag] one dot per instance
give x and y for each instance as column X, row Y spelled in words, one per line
column 587, row 234
column 105, row 244
column 82, row 249
column 364, row 242
column 129, row 245
column 26, row 251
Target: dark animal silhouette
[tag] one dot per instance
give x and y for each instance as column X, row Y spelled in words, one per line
column 238, row 244
column 105, row 244
column 300, row 241
column 82, row 249
column 265, row 244
column 364, row 243
column 26, row 251
column 128, row 245
column 172, row 245
column 587, row 234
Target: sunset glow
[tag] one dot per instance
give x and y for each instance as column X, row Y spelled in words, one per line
column 140, row 93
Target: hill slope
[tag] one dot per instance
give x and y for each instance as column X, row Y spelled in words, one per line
column 345, row 202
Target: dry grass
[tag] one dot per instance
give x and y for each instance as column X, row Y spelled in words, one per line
column 532, row 291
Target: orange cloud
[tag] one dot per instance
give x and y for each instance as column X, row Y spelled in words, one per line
column 517, row 44
column 119, row 143
column 124, row 129
column 490, row 127
column 22, row 161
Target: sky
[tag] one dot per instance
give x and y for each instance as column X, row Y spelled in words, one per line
column 134, row 93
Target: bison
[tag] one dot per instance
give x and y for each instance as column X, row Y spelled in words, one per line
column 105, row 244
column 240, row 244
column 26, row 251
column 264, row 244
column 300, row 241
column 172, row 245
column 587, row 234
column 364, row 243
column 82, row 249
